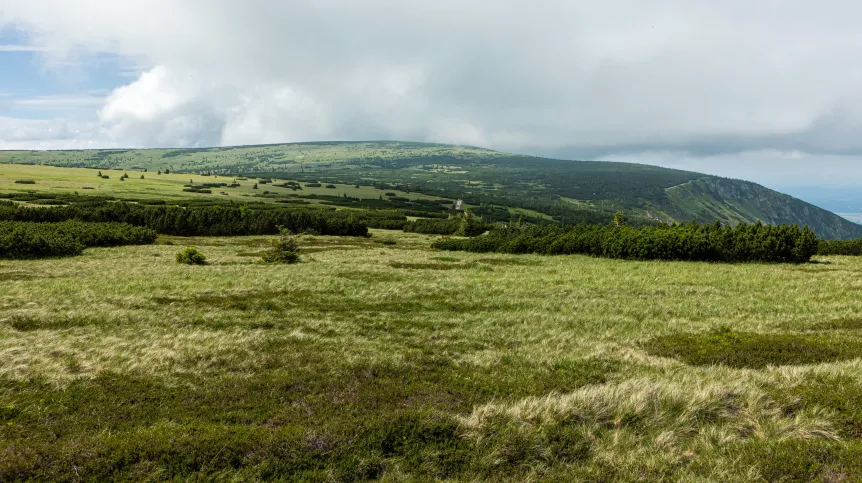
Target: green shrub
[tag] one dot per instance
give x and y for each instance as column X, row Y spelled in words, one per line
column 689, row 242
column 284, row 249
column 840, row 247
column 39, row 240
column 195, row 220
column 191, row 256
column 25, row 181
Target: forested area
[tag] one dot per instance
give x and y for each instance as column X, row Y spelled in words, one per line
column 691, row 241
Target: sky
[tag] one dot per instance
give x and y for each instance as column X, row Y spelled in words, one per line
column 764, row 90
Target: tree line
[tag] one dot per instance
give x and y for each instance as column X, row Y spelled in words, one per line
column 840, row 247
column 198, row 221
column 690, row 241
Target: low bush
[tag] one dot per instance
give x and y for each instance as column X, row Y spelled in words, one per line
column 191, row 256
column 464, row 225
column 840, row 247
column 22, row 240
column 25, row 181
column 689, row 242
column 432, row 226
column 193, row 220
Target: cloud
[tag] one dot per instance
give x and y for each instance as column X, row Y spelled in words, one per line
column 616, row 79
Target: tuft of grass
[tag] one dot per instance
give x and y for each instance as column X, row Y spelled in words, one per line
column 637, row 423
column 753, row 350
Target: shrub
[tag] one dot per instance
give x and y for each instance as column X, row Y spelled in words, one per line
column 25, row 181
column 191, row 256
column 840, row 247
column 38, row 240
column 284, row 249
column 691, row 242
column 207, row 220
column 466, row 225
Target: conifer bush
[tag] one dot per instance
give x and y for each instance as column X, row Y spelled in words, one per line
column 19, row 240
column 284, row 249
column 690, row 242
column 191, row 256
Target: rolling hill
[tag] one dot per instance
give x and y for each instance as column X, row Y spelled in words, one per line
column 567, row 191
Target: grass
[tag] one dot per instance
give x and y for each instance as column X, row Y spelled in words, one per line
column 370, row 361
column 51, row 179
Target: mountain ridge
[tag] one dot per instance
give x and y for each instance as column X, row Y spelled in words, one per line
column 567, row 191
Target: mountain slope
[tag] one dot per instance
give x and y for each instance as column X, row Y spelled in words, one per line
column 711, row 198
column 568, row 191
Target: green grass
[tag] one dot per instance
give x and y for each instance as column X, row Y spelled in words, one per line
column 370, row 361
column 56, row 180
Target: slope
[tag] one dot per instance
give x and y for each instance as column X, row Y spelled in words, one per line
column 567, row 191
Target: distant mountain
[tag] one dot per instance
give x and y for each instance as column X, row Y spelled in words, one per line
column 567, row 191
column 711, row 198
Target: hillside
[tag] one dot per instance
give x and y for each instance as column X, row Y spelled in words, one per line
column 568, row 191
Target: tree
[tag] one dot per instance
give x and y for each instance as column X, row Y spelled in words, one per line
column 619, row 219
column 470, row 226
column 285, row 249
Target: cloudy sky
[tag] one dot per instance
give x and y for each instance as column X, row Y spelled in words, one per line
column 768, row 90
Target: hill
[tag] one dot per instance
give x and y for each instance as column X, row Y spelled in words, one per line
column 567, row 191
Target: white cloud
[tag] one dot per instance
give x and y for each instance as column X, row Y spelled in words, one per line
column 703, row 80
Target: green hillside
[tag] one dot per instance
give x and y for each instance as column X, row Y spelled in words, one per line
column 567, row 191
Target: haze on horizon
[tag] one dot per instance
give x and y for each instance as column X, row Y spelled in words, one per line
column 767, row 91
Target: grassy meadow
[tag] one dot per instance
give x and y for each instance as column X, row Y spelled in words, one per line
column 380, row 358
column 169, row 187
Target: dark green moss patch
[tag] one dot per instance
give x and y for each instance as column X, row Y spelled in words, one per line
column 800, row 460
column 840, row 395
column 430, row 266
column 446, row 259
column 506, row 261
column 25, row 323
column 753, row 350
